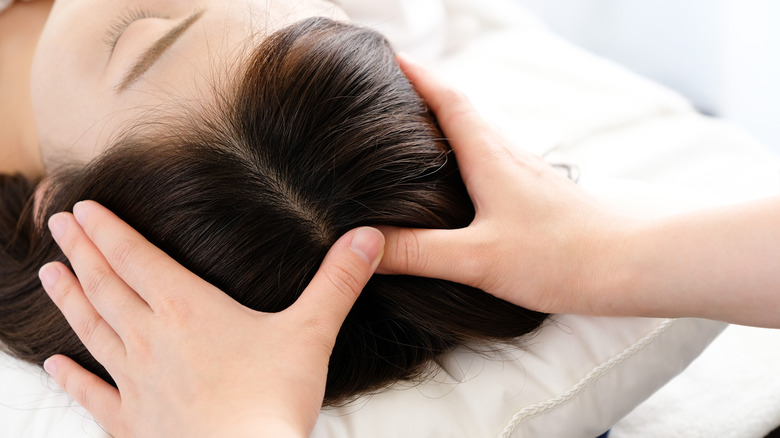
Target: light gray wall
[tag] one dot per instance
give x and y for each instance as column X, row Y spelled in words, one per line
column 724, row 55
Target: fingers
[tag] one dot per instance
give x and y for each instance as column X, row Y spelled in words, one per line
column 341, row 277
column 109, row 295
column 64, row 289
column 480, row 151
column 452, row 255
column 146, row 269
column 467, row 132
column 90, row 391
column 449, row 104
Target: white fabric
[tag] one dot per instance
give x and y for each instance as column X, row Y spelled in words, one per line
column 731, row 391
column 575, row 379
column 634, row 142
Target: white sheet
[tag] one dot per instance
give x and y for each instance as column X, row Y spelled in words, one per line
column 626, row 135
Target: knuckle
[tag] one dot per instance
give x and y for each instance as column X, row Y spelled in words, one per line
column 97, row 282
column 86, row 328
column 65, row 295
column 77, row 389
column 178, row 310
column 346, row 278
column 140, row 345
column 123, row 253
column 408, row 252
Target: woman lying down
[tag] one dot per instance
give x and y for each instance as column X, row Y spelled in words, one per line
column 243, row 138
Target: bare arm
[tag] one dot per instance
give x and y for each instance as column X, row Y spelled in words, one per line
column 720, row 264
column 541, row 242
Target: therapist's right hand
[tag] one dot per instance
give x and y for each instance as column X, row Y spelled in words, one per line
column 188, row 360
column 535, row 232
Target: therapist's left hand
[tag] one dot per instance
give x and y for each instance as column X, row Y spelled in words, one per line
column 187, row 359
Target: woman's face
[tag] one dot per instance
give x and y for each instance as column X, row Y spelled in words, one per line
column 101, row 65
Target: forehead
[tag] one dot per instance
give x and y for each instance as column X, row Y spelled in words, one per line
column 206, row 63
column 81, row 113
column 208, row 59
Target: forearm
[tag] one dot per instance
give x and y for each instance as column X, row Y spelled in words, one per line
column 539, row 241
column 720, row 264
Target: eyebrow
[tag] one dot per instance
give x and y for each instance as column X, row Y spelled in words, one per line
column 154, row 53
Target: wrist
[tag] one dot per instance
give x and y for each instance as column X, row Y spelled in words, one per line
column 606, row 277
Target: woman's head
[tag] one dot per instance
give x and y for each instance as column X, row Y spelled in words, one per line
column 101, row 64
column 323, row 134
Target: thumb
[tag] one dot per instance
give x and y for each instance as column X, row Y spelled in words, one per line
column 444, row 254
column 347, row 267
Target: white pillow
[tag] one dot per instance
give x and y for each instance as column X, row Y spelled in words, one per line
column 575, row 378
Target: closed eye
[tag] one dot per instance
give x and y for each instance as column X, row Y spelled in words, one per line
column 120, row 25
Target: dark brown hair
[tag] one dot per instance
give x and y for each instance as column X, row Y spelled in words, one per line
column 323, row 134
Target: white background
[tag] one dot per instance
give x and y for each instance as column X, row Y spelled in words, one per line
column 724, row 55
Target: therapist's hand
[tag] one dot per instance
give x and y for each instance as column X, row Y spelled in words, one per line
column 535, row 233
column 187, row 359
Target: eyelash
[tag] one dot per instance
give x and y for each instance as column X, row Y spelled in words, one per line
column 124, row 21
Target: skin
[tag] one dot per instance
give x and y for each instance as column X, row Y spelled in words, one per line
column 568, row 254
column 77, row 115
column 20, row 27
column 79, row 111
column 543, row 243
column 187, row 359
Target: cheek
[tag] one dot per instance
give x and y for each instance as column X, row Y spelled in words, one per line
column 71, row 52
column 51, row 106
column 75, row 110
column 67, row 126
column 63, row 85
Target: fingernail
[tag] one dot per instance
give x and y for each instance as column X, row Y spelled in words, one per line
column 367, row 243
column 80, row 212
column 50, row 365
column 49, row 274
column 57, row 225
